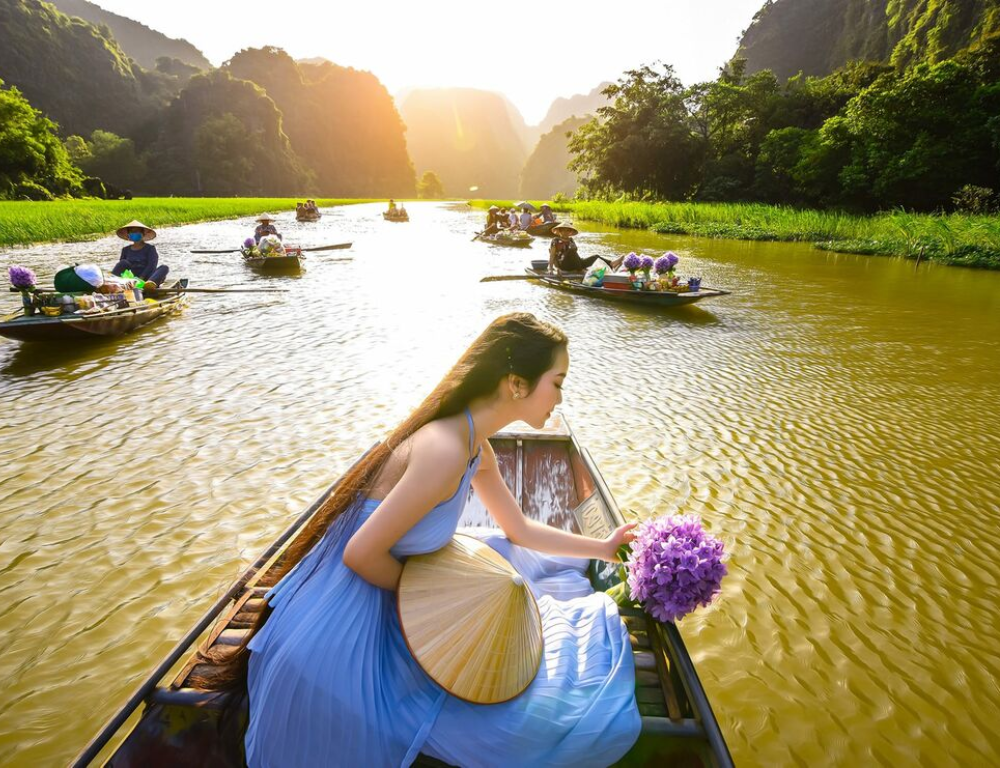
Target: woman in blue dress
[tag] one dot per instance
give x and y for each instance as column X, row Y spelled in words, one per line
column 330, row 679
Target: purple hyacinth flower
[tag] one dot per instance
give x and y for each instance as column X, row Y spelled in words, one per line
column 22, row 277
column 646, row 263
column 249, row 243
column 632, row 262
column 674, row 567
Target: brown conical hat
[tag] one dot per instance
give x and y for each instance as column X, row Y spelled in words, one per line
column 470, row 621
column 149, row 234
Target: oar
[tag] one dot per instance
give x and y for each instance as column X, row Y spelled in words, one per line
column 337, row 247
column 231, row 250
column 219, row 290
column 478, row 235
column 498, row 278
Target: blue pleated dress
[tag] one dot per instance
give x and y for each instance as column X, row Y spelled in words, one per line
column 332, row 682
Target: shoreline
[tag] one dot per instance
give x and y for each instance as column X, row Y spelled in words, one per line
column 948, row 239
column 27, row 223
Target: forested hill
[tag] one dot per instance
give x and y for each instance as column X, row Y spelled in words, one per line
column 819, row 36
column 341, row 121
column 75, row 72
column 143, row 44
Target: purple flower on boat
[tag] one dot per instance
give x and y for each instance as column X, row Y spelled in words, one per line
column 22, row 277
column 666, row 263
column 674, row 567
column 249, row 243
column 632, row 262
column 646, row 264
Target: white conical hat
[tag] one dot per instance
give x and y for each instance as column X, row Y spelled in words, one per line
column 470, row 621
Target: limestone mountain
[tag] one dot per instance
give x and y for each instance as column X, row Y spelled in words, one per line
column 469, row 138
column 143, row 44
column 577, row 105
column 546, row 173
column 819, row 36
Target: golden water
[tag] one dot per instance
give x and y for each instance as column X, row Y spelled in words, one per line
column 834, row 420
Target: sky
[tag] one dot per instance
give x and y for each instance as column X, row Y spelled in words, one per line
column 531, row 52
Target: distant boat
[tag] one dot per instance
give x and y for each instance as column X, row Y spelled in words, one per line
column 511, row 239
column 308, row 215
column 402, row 216
column 554, row 480
column 542, row 230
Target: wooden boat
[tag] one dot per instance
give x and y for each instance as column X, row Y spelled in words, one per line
column 76, row 326
column 290, row 262
column 503, row 237
column 542, row 230
column 308, row 216
column 404, row 216
column 554, row 480
column 573, row 283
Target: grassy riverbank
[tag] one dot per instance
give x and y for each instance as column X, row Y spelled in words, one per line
column 22, row 223
column 971, row 241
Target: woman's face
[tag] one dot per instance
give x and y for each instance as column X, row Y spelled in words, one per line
column 537, row 407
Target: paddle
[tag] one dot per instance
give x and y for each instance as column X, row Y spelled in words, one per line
column 335, row 247
column 218, row 290
column 478, row 234
column 498, row 278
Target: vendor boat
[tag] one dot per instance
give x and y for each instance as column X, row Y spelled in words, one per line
column 515, row 239
column 115, row 318
column 404, row 216
column 573, row 283
column 554, row 480
column 308, row 215
column 288, row 262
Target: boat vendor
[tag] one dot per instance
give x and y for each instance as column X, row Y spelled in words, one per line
column 140, row 256
column 503, row 220
column 492, row 221
column 525, row 220
column 311, row 205
column 392, row 206
column 265, row 227
column 547, row 215
column 564, row 256
column 512, row 219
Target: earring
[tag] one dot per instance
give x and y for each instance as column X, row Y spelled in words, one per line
column 517, row 395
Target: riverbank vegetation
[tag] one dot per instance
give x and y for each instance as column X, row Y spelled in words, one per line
column 957, row 239
column 22, row 223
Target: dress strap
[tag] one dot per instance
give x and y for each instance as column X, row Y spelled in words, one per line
column 472, row 432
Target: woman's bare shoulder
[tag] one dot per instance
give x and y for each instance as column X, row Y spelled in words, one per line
column 441, row 440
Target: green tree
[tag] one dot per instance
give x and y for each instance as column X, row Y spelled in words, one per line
column 31, row 154
column 109, row 157
column 643, row 143
column 429, row 187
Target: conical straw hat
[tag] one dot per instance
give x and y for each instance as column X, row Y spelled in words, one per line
column 470, row 621
column 149, row 234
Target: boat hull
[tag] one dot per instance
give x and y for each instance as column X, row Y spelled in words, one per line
column 314, row 217
column 387, row 217
column 664, row 299
column 77, row 327
column 507, row 242
column 542, row 230
column 275, row 264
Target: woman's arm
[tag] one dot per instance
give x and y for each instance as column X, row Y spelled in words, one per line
column 152, row 259
column 503, row 507
column 435, row 467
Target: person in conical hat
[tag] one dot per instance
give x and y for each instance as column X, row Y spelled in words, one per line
column 329, row 675
column 265, row 226
column 140, row 256
column 564, row 256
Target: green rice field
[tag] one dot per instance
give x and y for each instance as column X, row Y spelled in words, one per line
column 23, row 222
column 972, row 241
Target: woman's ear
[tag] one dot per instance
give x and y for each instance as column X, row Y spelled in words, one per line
column 517, row 386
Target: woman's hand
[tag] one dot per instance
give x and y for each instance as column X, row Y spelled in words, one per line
column 622, row 535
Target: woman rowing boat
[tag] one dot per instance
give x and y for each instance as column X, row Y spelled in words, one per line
column 140, row 257
column 330, row 678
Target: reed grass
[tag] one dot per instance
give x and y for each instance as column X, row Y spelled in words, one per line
column 22, row 222
column 972, row 241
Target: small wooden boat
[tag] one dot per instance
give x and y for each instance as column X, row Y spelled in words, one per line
column 542, row 230
column 287, row 263
column 404, row 216
column 115, row 322
column 308, row 215
column 555, row 480
column 573, row 283
column 509, row 239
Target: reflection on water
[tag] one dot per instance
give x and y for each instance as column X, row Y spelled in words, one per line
column 834, row 420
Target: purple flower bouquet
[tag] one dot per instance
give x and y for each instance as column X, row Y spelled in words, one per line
column 673, row 567
column 646, row 264
column 22, row 278
column 666, row 263
column 632, row 262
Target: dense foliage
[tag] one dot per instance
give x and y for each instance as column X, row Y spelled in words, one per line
column 143, row 44
column 817, row 37
column 342, row 122
column 867, row 137
column 34, row 164
column 74, row 72
column 429, row 187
